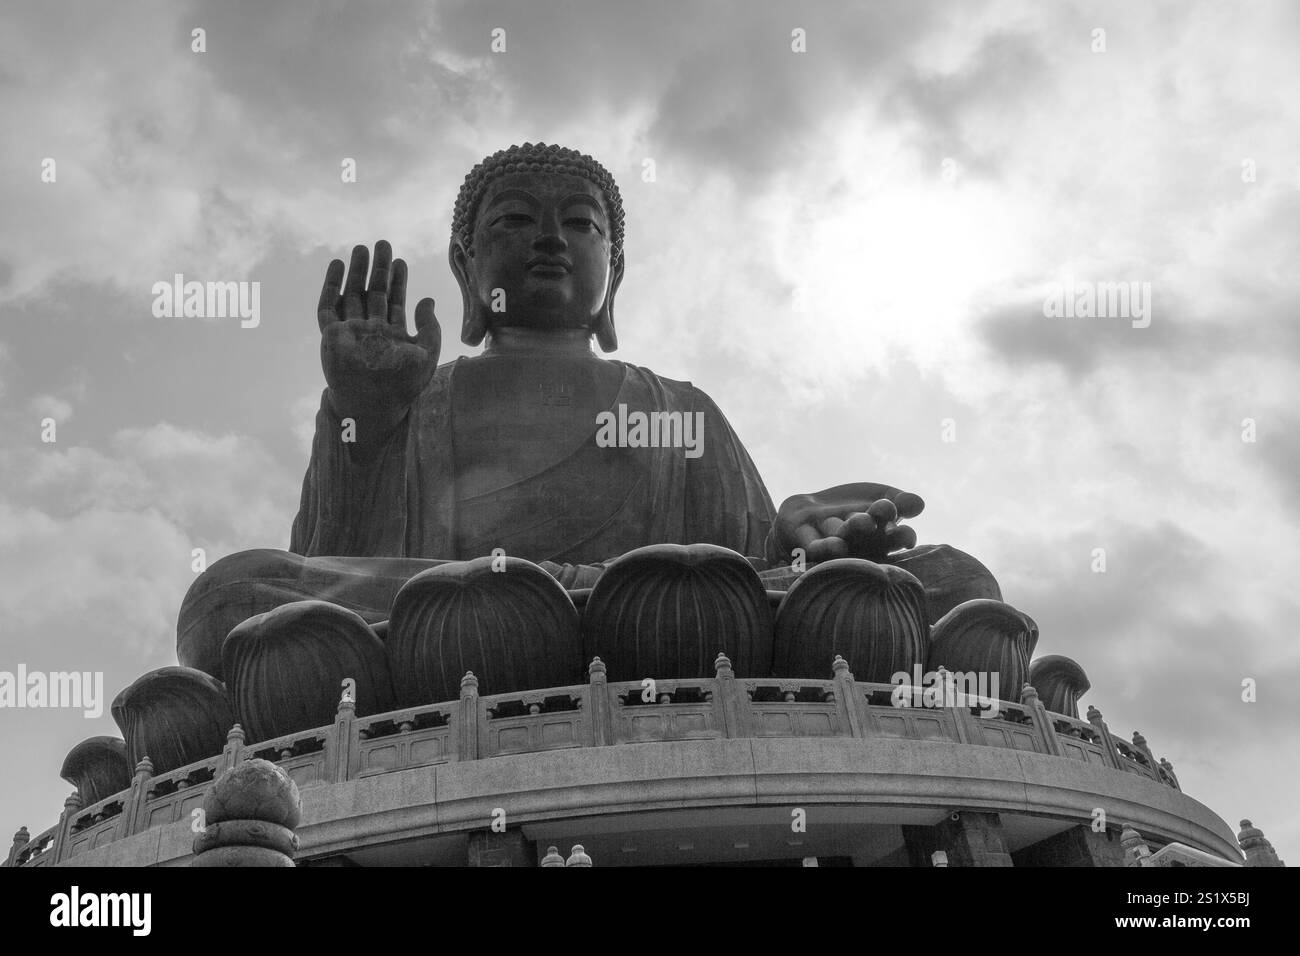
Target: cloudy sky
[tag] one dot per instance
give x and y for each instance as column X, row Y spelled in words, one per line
column 844, row 247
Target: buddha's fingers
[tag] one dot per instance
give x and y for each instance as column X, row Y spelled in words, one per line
column 377, row 294
column 329, row 294
column 427, row 331
column 351, row 306
column 830, row 526
column 908, row 504
column 397, row 295
column 828, row 549
column 805, row 535
column 357, row 271
column 902, row 538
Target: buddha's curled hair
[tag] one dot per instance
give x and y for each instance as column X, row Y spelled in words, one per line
column 536, row 157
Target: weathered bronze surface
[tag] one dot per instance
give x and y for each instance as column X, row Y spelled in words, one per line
column 539, row 449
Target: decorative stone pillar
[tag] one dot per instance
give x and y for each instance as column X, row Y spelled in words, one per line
column 467, row 718
column 233, row 752
column 249, row 815
column 1108, row 751
column 851, row 704
column 1140, row 744
column 602, row 733
column 578, row 857
column 340, row 751
column 1168, row 769
column 731, row 698
column 1259, row 852
column 973, row 838
column 133, row 813
column 1136, row 850
column 21, row 839
column 70, row 808
column 1042, row 722
column 553, row 857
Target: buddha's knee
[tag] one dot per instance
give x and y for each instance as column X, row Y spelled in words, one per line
column 949, row 577
column 230, row 591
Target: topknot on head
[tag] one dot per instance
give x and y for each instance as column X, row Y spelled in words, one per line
column 536, row 158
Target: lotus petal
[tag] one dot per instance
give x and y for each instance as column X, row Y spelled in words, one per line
column 98, row 768
column 174, row 716
column 667, row 610
column 515, row 628
column 871, row 614
column 1060, row 683
column 285, row 668
column 985, row 636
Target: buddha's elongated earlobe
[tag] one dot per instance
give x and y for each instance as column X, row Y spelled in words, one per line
column 474, row 322
column 604, row 324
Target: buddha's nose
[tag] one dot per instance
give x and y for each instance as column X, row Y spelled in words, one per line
column 549, row 240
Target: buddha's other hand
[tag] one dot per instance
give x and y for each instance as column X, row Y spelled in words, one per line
column 373, row 367
column 858, row 520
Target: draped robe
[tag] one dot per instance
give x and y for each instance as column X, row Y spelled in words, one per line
column 501, row 452
column 496, row 453
column 553, row 497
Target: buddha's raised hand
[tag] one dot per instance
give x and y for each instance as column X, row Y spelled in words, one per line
column 858, row 520
column 373, row 368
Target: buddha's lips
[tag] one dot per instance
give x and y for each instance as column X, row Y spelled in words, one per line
column 549, row 267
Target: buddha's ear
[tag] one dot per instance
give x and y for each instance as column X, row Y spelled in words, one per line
column 604, row 325
column 473, row 325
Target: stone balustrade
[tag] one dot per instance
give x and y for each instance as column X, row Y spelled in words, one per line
column 595, row 714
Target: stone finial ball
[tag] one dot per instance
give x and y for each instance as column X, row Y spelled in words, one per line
column 255, row 790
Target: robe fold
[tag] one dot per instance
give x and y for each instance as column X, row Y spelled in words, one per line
column 581, row 504
column 480, row 462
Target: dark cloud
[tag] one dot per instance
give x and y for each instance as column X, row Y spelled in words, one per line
column 1166, row 633
column 1277, row 442
column 1021, row 336
column 745, row 104
column 950, row 114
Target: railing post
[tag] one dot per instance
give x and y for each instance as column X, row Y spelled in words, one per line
column 1042, row 723
column 1169, row 769
column 731, row 698
column 233, row 752
column 133, row 813
column 1140, row 744
column 598, row 701
column 467, row 745
column 21, row 839
column 339, row 748
column 70, row 807
column 1136, row 850
column 851, row 704
column 1108, row 750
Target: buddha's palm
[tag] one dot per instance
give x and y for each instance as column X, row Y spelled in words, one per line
column 857, row 520
column 372, row 366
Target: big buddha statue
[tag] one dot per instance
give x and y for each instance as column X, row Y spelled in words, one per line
column 473, row 507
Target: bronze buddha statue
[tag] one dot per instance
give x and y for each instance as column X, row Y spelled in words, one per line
column 416, row 464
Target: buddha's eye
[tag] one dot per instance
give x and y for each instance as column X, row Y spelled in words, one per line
column 582, row 223
column 513, row 218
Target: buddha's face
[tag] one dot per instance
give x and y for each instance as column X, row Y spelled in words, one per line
column 541, row 250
